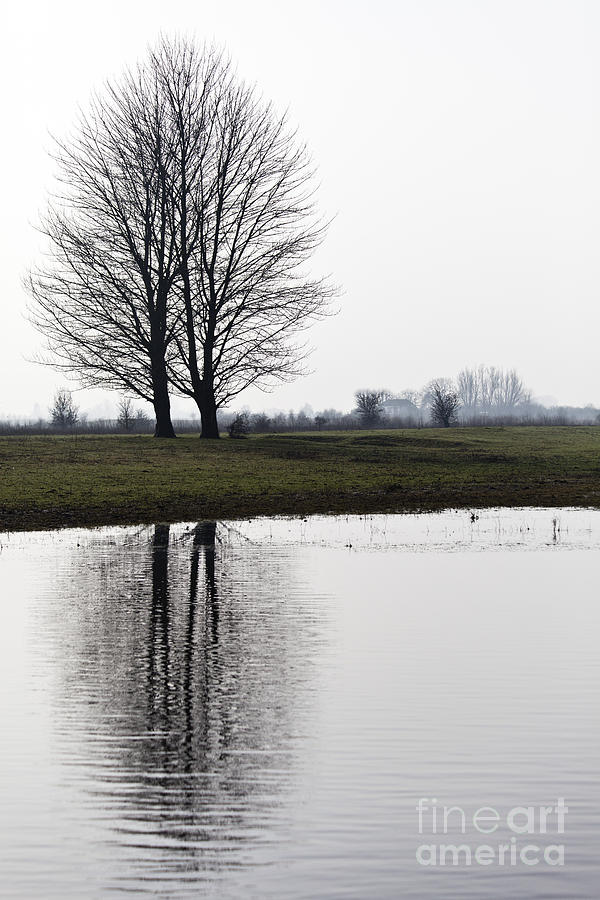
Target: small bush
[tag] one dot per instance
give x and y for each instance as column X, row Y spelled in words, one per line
column 239, row 426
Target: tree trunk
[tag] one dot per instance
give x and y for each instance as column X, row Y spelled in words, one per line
column 208, row 414
column 205, row 397
column 161, row 402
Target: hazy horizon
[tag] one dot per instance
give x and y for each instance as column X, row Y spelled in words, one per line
column 457, row 149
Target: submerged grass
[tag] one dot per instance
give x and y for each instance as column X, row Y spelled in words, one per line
column 52, row 481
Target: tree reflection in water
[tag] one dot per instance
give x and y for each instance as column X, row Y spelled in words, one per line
column 187, row 679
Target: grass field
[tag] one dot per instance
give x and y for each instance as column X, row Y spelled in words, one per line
column 96, row 480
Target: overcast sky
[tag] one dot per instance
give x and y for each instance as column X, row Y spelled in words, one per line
column 458, row 145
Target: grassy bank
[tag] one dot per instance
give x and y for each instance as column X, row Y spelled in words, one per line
column 92, row 480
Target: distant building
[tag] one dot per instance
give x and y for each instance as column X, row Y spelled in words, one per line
column 399, row 409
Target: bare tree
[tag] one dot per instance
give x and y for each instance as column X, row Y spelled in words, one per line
column 104, row 299
column 444, row 403
column 512, row 391
column 180, row 241
column 63, row 412
column 468, row 389
column 247, row 227
column 126, row 413
column 368, row 405
column 489, row 388
column 489, row 383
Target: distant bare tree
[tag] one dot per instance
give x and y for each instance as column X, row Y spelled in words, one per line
column 468, row 389
column 368, row 404
column 489, row 388
column 489, row 385
column 126, row 413
column 444, row 403
column 320, row 421
column 512, row 391
column 63, row 412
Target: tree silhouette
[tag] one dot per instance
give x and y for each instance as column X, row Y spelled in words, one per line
column 180, row 238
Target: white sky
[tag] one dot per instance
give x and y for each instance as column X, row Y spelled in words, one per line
column 458, row 145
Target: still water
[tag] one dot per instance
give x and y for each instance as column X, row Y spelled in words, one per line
column 256, row 709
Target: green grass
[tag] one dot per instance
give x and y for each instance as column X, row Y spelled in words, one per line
column 93, row 480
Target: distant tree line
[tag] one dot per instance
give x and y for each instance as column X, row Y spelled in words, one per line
column 477, row 396
column 281, row 423
column 482, row 396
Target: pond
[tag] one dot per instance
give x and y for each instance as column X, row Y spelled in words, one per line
column 303, row 708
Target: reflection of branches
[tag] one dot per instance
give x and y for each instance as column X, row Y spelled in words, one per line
column 184, row 684
column 232, row 530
